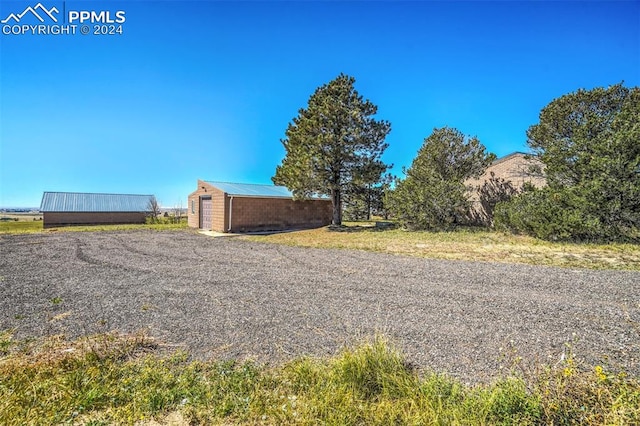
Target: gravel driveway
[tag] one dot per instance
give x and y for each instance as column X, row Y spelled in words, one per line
column 230, row 298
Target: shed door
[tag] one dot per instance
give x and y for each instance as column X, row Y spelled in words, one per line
column 205, row 213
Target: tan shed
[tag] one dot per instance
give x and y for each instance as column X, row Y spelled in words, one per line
column 240, row 207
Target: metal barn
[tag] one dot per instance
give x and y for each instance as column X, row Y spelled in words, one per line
column 74, row 208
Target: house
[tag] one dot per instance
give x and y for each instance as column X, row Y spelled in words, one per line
column 515, row 170
column 74, row 208
column 241, row 207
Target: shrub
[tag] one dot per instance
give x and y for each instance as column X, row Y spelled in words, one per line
column 534, row 213
column 557, row 214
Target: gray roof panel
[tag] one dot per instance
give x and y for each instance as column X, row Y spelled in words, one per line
column 85, row 202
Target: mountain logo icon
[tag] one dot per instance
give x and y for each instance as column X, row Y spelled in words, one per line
column 34, row 11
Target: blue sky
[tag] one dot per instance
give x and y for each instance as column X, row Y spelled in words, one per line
column 205, row 89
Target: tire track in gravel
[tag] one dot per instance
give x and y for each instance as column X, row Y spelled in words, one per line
column 299, row 258
column 146, row 253
column 235, row 298
column 82, row 256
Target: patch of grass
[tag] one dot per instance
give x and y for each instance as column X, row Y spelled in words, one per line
column 153, row 226
column 107, row 379
column 31, row 227
column 465, row 244
column 20, row 227
column 5, row 342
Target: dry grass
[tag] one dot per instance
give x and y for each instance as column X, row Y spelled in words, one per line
column 26, row 227
column 473, row 245
column 22, row 217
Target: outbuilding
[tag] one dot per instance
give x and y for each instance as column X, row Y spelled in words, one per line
column 241, row 207
column 75, row 208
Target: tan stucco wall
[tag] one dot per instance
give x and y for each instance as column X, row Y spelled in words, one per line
column 218, row 200
column 515, row 168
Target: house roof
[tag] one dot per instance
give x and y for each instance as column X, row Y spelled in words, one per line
column 254, row 190
column 87, row 202
column 512, row 155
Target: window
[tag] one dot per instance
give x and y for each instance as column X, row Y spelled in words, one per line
column 193, row 207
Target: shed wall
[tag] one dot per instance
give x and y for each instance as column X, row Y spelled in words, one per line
column 252, row 213
column 219, row 211
column 269, row 214
column 54, row 219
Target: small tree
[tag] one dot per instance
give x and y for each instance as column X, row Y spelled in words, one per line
column 153, row 209
column 333, row 144
column 433, row 195
column 177, row 213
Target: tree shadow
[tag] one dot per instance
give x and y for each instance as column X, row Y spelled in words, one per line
column 377, row 227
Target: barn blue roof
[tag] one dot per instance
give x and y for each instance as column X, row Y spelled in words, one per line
column 85, row 202
column 254, row 190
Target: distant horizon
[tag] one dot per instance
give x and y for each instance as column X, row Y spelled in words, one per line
column 31, row 208
column 171, row 92
column 37, row 209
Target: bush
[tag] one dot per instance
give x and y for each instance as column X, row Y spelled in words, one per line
column 556, row 215
column 437, row 205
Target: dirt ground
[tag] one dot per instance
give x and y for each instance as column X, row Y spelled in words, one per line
column 229, row 298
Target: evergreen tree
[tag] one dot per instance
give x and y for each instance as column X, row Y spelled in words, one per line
column 433, row 195
column 589, row 142
column 333, row 145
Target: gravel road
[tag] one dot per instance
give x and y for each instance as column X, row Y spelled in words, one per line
column 230, row 298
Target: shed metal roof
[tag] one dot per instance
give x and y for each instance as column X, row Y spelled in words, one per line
column 86, row 202
column 255, row 190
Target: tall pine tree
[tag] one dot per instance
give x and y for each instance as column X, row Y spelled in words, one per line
column 333, row 144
